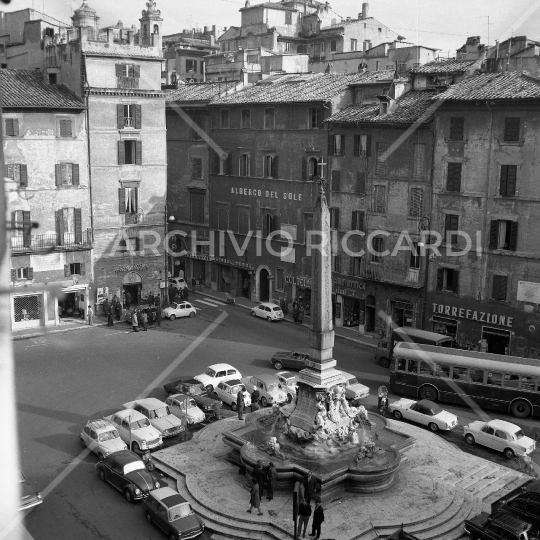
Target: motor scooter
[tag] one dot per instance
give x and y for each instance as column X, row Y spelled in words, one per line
column 230, row 299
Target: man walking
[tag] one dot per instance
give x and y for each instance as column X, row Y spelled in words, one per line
column 271, row 478
column 310, row 484
column 255, row 395
column 110, row 315
column 318, row 518
column 144, row 316
column 158, row 311
column 128, row 299
column 304, row 513
column 240, row 404
column 90, row 315
column 134, row 321
column 259, row 475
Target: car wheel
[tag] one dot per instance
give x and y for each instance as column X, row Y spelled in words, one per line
column 520, row 409
column 289, row 398
column 102, row 474
column 433, row 426
column 172, row 317
column 253, row 314
column 264, row 401
column 135, row 448
column 385, row 362
column 148, row 517
column 509, row 453
column 234, row 406
column 429, row 393
column 209, row 388
column 100, row 456
column 269, row 319
column 469, row 439
column 192, row 314
column 128, row 496
column 278, row 364
column 398, row 415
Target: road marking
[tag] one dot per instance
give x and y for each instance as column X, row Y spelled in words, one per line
column 209, row 303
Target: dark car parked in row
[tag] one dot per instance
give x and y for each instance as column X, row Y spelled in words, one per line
column 499, row 526
column 194, row 389
column 289, row 359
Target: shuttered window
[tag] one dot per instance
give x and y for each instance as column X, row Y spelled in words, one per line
column 377, row 245
column 246, row 119
column 511, row 129
column 379, row 199
column 380, row 167
column 339, row 145
column 336, row 180
column 419, row 152
column 128, row 200
column 456, row 128
column 12, row 127
column 500, row 288
column 336, row 263
column 361, row 182
column 451, row 223
column 503, row 234
column 362, row 145
column 67, row 174
column 416, row 206
column 453, row 178
column 280, row 279
column 244, row 165
column 64, row 127
column 224, row 118
column 196, row 168
column 355, row 266
column 508, row 180
column 358, row 219
column 197, row 206
column 334, row 218
column 130, row 152
column 269, row 118
column 448, row 280
column 223, row 219
column 243, row 222
column 17, row 173
column 315, row 118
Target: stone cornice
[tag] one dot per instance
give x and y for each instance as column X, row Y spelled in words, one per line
column 126, row 92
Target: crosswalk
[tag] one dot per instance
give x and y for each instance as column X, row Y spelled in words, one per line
column 208, row 302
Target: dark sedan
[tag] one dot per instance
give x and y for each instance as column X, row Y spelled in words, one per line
column 128, row 474
column 194, row 389
column 289, row 359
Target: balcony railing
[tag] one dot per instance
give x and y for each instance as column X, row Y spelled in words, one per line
column 129, row 122
column 48, row 242
column 408, row 277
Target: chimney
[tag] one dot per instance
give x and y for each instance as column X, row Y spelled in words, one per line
column 110, row 35
column 212, row 40
column 365, row 10
column 131, row 37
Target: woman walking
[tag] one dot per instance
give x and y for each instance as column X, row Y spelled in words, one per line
column 134, row 322
column 255, row 500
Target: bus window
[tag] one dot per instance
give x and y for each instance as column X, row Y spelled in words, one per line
column 442, row 371
column 495, row 379
column 413, row 366
column 425, row 369
column 511, row 381
column 476, row 375
column 459, row 373
column 527, row 383
column 401, row 364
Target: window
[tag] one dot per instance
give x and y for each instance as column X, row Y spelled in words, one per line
column 511, row 129
column 419, row 152
column 243, row 222
column 246, row 119
column 354, row 44
column 128, row 200
column 336, row 263
column 494, row 379
column 12, row 127
column 456, row 128
column 453, row 177
column 416, row 206
column 312, row 168
column 447, row 280
column 64, row 128
column 191, row 67
column 334, row 218
column 2, row 48
column 315, row 118
column 288, row 17
column 223, row 219
column 336, row 181
column 362, row 144
column 333, row 45
column 380, row 168
column 358, row 97
column 377, row 65
column 384, row 107
column 361, row 182
column 442, row 371
column 476, row 375
column 339, row 145
column 508, row 180
column 378, row 247
column 280, row 279
column 425, row 369
column 129, row 116
column 21, row 225
column 129, row 152
column 503, row 235
column 77, row 268
column 459, row 373
column 224, row 118
column 412, row 366
column 268, row 224
column 128, row 70
column 379, row 199
column 67, row 174
column 451, row 223
column 287, row 47
column 269, row 118
column 69, row 226
column 197, row 206
column 500, row 287
column 244, row 165
column 198, row 127
column 196, row 168
column 357, row 221
column 17, row 173
column 18, row 274
column 270, row 166
column 414, row 261
column 356, row 263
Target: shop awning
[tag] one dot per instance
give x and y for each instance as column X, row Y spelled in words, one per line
column 74, row 288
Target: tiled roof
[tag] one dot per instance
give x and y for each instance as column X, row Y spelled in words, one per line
column 507, row 85
column 300, row 88
column 408, row 109
column 446, row 66
column 198, row 91
column 21, row 88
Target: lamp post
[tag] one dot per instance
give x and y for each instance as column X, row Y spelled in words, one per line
column 168, row 219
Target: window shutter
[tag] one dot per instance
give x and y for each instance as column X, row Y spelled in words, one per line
column 351, row 266
column 361, row 182
column 342, row 145
column 65, row 128
column 453, row 181
column 336, row 180
column 121, row 153
column 504, row 180
column 27, row 227
column 356, row 150
column 379, row 200
column 503, row 287
column 9, row 127
column 78, row 225
column 119, row 70
column 493, row 234
column 456, row 128
column 120, row 116
column 455, row 282
column 511, row 129
column 58, row 174
column 83, row 269
column 59, row 228
column 15, row 127
column 330, row 143
column 121, row 200
column 440, row 279
column 416, row 207
column 138, row 116
column 304, row 169
column 23, row 176
column 368, row 146
column 13, row 274
column 67, row 271
column 336, row 211
column 380, row 167
column 511, row 180
column 275, row 167
column 513, row 235
column 30, row 272
column 138, row 152
column 137, row 71
column 75, row 174
column 361, row 219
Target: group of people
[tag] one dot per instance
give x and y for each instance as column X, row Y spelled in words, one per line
column 298, row 311
column 241, row 402
column 112, row 309
column 261, row 477
column 178, row 295
column 141, row 317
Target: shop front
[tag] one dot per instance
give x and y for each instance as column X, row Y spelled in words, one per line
column 72, row 304
column 349, row 302
column 27, row 310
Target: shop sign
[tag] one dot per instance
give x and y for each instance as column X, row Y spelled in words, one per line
column 301, row 281
column 473, row 315
column 141, row 266
column 347, row 284
column 528, row 291
column 219, row 260
column 265, row 194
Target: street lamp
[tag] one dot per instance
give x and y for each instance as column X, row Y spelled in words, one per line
column 168, row 219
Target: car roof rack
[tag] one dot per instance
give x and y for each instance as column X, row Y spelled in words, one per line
column 99, row 423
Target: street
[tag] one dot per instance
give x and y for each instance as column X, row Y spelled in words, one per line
column 94, row 371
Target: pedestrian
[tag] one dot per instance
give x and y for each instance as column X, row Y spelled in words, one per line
column 128, row 299
column 110, row 321
column 118, row 309
column 178, row 297
column 144, row 317
column 310, row 486
column 134, row 321
column 158, row 314
column 259, row 475
column 193, row 282
column 172, row 293
column 151, row 298
column 300, row 314
column 255, row 395
column 105, row 307
column 186, row 294
column 201, row 282
column 240, row 404
column 90, row 315
column 318, row 518
column 295, row 311
column 139, row 318
column 216, row 408
column 254, row 500
column 299, row 490
column 304, row 513
column 271, row 478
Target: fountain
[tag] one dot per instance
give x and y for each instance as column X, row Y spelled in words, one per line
column 346, row 450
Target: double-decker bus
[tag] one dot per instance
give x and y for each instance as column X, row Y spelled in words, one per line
column 491, row 381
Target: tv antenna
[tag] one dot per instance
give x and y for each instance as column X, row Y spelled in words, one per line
column 488, row 25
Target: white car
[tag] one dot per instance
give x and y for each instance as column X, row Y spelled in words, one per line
column 423, row 412
column 182, row 309
column 269, row 388
column 501, row 436
column 353, row 389
column 288, row 383
column 135, row 430
column 185, row 408
column 217, row 373
column 227, row 391
column 269, row 311
column 179, row 283
column 159, row 415
column 102, row 438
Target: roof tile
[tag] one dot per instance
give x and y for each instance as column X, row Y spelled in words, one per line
column 446, row 66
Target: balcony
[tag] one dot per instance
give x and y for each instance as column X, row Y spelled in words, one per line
column 50, row 242
column 129, row 122
column 407, row 277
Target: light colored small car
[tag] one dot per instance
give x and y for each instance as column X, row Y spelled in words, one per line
column 269, row 388
column 217, row 373
column 102, row 438
column 501, row 436
column 29, row 497
column 159, row 415
column 269, row 311
column 185, row 408
column 182, row 309
column 179, row 283
column 424, row 412
column 288, row 383
column 227, row 391
column 135, row 430
column 353, row 389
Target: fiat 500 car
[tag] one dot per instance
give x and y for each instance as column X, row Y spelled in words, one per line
column 185, row 408
column 159, row 415
column 102, row 438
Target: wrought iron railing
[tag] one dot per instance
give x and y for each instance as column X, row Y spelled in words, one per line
column 45, row 242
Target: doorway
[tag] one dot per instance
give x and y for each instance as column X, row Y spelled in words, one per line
column 245, row 280
column 134, row 292
column 402, row 313
column 264, row 285
column 370, row 314
column 498, row 341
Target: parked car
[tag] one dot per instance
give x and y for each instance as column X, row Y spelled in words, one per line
column 501, row 436
column 269, row 388
column 135, row 430
column 185, row 408
column 288, row 384
column 525, row 506
column 159, row 415
column 102, row 438
column 29, row 496
column 216, row 373
column 353, row 389
column 169, row 511
column 227, row 391
column 178, row 283
column 424, row 412
column 289, row 359
column 127, row 472
column 182, row 309
column 269, row 311
column 194, row 389
column 499, row 526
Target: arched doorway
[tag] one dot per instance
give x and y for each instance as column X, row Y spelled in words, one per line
column 370, row 314
column 132, row 283
column 264, row 285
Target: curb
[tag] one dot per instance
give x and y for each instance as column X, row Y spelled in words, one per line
column 346, row 338
column 57, row 331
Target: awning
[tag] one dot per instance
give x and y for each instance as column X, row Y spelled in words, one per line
column 74, row 288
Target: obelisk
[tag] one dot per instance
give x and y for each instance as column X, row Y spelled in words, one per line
column 320, row 372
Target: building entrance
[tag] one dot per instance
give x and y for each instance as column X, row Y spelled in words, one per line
column 264, row 285
column 498, row 341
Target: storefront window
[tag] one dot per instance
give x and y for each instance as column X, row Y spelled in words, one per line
column 351, row 312
column 447, row 327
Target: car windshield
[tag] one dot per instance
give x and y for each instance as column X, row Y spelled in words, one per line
column 237, row 388
column 134, row 466
column 138, row 424
column 108, row 435
column 272, row 387
column 434, row 409
column 518, row 434
column 352, row 380
column 195, row 390
column 191, row 404
column 210, row 372
column 277, row 309
column 161, row 412
column 180, row 511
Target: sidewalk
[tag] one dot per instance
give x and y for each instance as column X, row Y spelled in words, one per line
column 64, row 326
column 344, row 333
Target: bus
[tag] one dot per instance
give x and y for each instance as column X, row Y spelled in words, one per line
column 490, row 381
